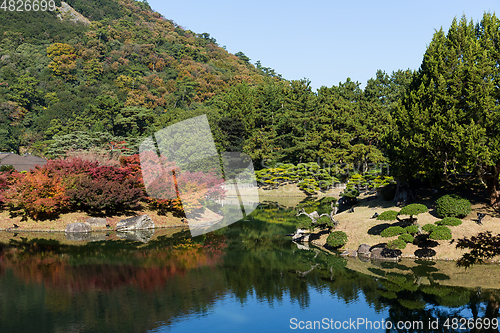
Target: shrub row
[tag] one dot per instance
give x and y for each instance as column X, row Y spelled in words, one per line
column 76, row 184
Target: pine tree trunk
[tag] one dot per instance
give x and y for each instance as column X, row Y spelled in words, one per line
column 493, row 184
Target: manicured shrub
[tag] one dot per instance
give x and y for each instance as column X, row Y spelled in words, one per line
column 411, row 229
column 388, row 215
column 392, row 231
column 413, row 209
column 406, row 238
column 429, row 227
column 336, row 239
column 396, row 244
column 440, row 233
column 452, row 205
column 451, row 221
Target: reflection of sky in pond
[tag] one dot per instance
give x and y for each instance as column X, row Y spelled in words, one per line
column 230, row 315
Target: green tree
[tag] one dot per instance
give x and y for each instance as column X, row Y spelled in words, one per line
column 449, row 120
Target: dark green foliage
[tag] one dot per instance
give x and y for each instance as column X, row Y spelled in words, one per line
column 411, row 229
column 388, row 215
column 429, row 227
column 392, row 231
column 451, row 221
column 482, row 246
column 406, row 238
column 336, row 239
column 413, row 209
column 440, row 233
column 452, row 205
column 396, row 244
column 6, row 168
column 448, row 121
column 388, row 192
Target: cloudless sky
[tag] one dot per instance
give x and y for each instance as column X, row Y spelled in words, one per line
column 325, row 41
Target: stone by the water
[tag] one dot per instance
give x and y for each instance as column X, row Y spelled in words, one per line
column 78, row 227
column 135, row 223
column 97, row 221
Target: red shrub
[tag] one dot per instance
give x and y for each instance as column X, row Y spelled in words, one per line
column 102, row 194
column 37, row 194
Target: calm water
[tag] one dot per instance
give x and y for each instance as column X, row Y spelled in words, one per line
column 247, row 277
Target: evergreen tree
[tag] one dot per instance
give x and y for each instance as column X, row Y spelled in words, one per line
column 449, row 120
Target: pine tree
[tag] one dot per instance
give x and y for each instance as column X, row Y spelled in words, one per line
column 449, row 120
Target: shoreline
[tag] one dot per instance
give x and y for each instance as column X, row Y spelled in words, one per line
column 359, row 226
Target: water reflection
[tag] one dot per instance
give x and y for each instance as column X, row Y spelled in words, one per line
column 247, row 270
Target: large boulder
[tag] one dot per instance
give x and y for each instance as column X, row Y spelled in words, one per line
column 78, row 227
column 364, row 249
column 135, row 223
column 97, row 221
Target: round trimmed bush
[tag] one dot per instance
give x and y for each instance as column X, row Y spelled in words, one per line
column 396, row 244
column 440, row 233
column 411, row 229
column 392, row 231
column 429, row 227
column 388, row 215
column 336, row 239
column 452, row 205
column 406, row 238
column 451, row 221
column 413, row 209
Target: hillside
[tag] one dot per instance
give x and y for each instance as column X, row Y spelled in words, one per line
column 58, row 77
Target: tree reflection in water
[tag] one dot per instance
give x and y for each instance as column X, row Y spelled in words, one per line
column 132, row 287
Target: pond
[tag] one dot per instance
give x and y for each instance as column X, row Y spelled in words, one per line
column 248, row 277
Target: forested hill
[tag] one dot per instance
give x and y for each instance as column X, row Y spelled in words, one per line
column 57, row 77
column 66, row 85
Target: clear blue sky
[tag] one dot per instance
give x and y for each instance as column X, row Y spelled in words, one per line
column 325, row 41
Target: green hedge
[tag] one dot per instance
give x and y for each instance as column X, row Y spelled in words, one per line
column 336, row 239
column 392, row 231
column 406, row 238
column 451, row 221
column 452, row 205
column 440, row 233
column 396, row 244
column 411, row 229
column 429, row 227
column 389, row 215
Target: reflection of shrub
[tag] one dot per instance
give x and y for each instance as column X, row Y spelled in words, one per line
column 412, row 304
column 429, row 227
column 411, row 229
column 392, row 231
column 396, row 244
column 406, row 238
column 336, row 239
column 440, row 233
column 451, row 221
column 388, row 215
column 452, row 205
